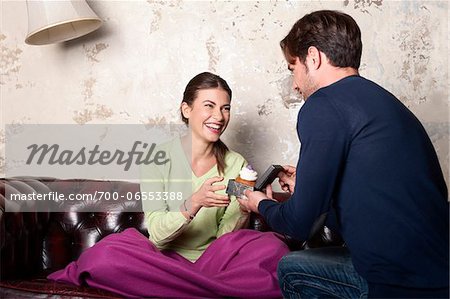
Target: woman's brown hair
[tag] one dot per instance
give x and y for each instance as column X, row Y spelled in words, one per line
column 207, row 80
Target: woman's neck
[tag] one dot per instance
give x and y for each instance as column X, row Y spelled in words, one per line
column 197, row 149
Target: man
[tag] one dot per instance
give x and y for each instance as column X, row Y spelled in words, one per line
column 367, row 157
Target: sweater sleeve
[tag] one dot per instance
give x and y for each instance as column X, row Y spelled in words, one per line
column 233, row 219
column 324, row 141
column 163, row 224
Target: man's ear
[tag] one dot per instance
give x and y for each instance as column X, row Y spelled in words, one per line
column 185, row 109
column 314, row 57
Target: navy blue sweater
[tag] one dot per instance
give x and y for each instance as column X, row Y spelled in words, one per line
column 365, row 152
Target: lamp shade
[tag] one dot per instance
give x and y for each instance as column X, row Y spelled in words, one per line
column 54, row 21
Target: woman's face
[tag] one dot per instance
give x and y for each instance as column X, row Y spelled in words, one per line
column 209, row 114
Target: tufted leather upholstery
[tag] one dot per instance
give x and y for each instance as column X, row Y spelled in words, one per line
column 33, row 244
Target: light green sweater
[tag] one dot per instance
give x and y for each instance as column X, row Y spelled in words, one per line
column 167, row 226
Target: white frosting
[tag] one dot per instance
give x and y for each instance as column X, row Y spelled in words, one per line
column 247, row 173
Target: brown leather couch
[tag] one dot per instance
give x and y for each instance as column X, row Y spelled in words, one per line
column 34, row 244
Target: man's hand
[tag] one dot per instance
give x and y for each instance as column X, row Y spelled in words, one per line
column 287, row 178
column 254, row 197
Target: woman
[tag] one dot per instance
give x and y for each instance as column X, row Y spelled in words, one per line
column 191, row 252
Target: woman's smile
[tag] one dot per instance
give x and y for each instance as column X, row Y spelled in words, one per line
column 215, row 128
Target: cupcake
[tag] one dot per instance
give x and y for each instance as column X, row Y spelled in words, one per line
column 247, row 176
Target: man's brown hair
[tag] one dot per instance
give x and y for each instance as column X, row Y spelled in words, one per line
column 332, row 32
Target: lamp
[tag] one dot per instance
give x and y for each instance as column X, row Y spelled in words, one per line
column 51, row 21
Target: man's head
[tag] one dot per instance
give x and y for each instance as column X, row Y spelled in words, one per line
column 321, row 48
column 334, row 33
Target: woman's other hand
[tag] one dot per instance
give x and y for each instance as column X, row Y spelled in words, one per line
column 252, row 198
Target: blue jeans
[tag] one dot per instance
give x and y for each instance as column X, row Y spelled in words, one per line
column 320, row 273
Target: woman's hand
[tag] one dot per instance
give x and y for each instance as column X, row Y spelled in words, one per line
column 287, row 178
column 207, row 197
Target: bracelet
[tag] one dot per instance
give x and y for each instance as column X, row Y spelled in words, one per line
column 186, row 210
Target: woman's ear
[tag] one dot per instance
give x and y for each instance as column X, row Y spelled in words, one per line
column 185, row 109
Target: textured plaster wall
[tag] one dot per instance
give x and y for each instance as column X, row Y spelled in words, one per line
column 134, row 69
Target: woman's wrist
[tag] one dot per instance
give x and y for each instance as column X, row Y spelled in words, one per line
column 189, row 215
column 192, row 203
column 189, row 208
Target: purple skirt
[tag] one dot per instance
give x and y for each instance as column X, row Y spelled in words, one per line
column 238, row 264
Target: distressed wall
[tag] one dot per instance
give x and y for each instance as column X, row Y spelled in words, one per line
column 134, row 69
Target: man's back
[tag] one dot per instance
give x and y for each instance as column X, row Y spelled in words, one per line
column 365, row 154
column 392, row 198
